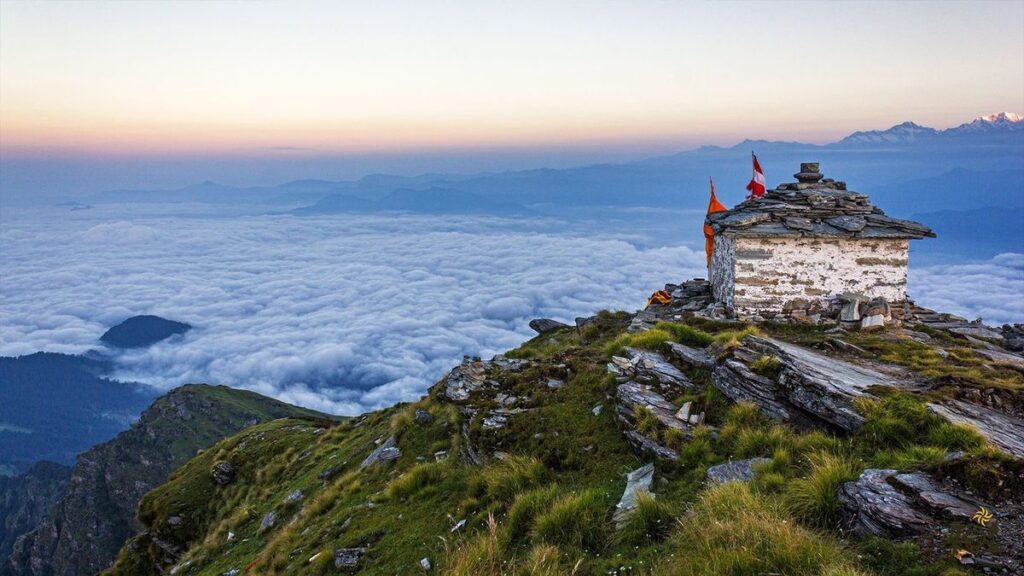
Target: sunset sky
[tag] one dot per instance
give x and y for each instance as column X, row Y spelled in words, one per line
column 293, row 79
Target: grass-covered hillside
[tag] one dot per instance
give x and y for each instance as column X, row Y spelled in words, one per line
column 515, row 466
column 83, row 531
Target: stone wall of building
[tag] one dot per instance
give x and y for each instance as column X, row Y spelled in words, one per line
column 722, row 272
column 772, row 273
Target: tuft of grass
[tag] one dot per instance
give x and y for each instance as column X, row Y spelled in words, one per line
column 812, row 499
column 657, row 337
column 653, row 339
column 900, row 421
column 512, row 476
column 401, row 420
column 767, row 366
column 524, row 510
column 646, row 422
column 733, row 530
column 545, row 560
column 479, row 555
column 673, row 438
column 650, row 521
column 730, row 339
column 576, row 520
column 758, row 441
column 416, row 479
column 685, row 334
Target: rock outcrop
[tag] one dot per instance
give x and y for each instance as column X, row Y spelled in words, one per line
column 543, row 325
column 25, row 500
column 809, row 389
column 1002, row 430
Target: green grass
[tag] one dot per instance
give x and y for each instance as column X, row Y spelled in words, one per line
column 575, row 521
column 651, row 521
column 733, row 530
column 524, row 510
column 416, row 479
column 899, row 421
column 686, row 334
column 767, row 366
column 656, row 338
column 813, row 498
column 547, row 508
column 512, row 476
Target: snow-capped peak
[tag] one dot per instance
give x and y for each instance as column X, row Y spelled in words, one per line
column 1000, row 117
column 999, row 122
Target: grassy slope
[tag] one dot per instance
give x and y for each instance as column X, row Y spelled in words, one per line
column 547, row 509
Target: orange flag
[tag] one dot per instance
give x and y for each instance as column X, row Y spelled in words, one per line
column 709, row 234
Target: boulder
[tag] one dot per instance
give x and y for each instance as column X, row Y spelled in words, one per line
column 637, row 481
column 850, row 311
column 328, row 473
column 424, row 417
column 223, row 473
column 268, row 521
column 348, row 557
column 294, row 496
column 734, row 471
column 542, row 325
column 386, row 452
column 872, row 323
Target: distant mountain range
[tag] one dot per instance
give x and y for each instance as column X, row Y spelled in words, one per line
column 998, row 125
column 864, row 159
column 906, row 169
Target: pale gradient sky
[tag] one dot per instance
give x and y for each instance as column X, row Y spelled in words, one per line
column 252, row 78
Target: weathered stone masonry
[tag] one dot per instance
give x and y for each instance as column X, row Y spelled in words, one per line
column 805, row 244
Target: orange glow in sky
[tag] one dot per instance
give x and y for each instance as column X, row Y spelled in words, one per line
column 325, row 78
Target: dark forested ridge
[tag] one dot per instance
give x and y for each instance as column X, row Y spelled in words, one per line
column 54, row 406
column 141, row 331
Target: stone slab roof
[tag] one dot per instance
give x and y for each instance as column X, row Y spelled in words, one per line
column 813, row 207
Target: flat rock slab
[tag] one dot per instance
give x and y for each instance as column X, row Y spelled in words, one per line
column 1001, row 357
column 637, row 481
column 734, row 471
column 694, row 357
column 891, row 504
column 386, row 452
column 810, row 387
column 1005, row 432
column 652, row 366
column 633, row 394
column 649, row 447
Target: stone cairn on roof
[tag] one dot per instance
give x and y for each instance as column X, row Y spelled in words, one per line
column 813, row 206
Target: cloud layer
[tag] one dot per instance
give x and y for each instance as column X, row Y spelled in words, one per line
column 348, row 313
column 339, row 314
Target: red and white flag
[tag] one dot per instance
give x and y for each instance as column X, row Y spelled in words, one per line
column 757, row 183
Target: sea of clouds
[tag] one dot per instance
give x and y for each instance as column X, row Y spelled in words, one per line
column 349, row 313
